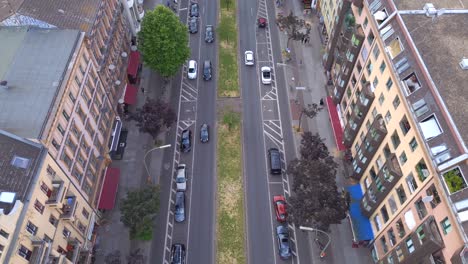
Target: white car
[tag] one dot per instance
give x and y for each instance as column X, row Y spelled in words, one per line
column 192, row 70
column 266, row 75
column 249, row 58
column 181, row 178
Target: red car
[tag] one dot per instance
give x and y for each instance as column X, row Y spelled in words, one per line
column 280, row 208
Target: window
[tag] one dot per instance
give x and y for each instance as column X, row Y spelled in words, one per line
column 396, row 102
column 382, row 67
column 31, row 228
column 60, row 129
column 421, row 209
column 72, row 97
column 53, row 220
column 383, row 242
column 395, row 140
column 24, row 252
column 376, row 51
column 421, row 234
column 369, row 67
column 388, row 117
column 381, row 99
column 81, row 227
column 400, row 254
column 446, row 226
column 39, row 207
column 66, row 159
column 4, row 234
column 411, row 181
column 410, row 245
column 374, row 112
column 80, row 112
column 375, row 82
column 378, row 224
column 420, row 107
column 87, row 188
column 413, row 144
column 370, row 38
column 389, row 83
column 75, row 131
column 77, row 174
column 403, row 158
column 412, row 83
column 392, row 204
column 65, row 114
column 391, row 237
column 69, row 142
column 55, row 144
column 405, row 125
column 66, row 233
column 384, row 213
column 379, row 162
column 401, row 194
column 432, row 191
column 78, row 81
column 85, row 213
column 366, row 21
column 45, row 189
column 430, row 127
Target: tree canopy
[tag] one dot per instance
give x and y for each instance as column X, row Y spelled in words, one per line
column 295, row 27
column 154, row 115
column 138, row 210
column 315, row 200
column 163, row 41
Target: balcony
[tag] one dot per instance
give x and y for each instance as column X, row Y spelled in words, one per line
column 141, row 12
column 56, row 194
column 420, row 246
column 368, row 147
column 68, row 208
column 359, row 112
column 38, row 253
column 73, row 250
column 383, row 183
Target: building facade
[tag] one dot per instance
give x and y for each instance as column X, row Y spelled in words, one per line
column 43, row 216
column 134, row 12
column 397, row 75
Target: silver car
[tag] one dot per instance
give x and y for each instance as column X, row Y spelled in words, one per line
column 249, row 58
column 181, row 178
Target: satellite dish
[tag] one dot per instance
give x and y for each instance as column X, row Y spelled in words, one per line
column 427, row 199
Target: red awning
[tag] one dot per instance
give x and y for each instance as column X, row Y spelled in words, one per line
column 335, row 122
column 109, row 189
column 133, row 63
column 130, row 94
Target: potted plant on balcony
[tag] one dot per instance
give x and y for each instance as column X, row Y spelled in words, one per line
column 454, row 180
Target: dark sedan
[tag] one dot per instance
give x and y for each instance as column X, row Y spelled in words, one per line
column 178, row 254
column 194, row 10
column 186, row 141
column 284, row 247
column 193, row 25
column 204, row 133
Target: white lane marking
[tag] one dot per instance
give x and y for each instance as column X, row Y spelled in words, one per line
column 269, row 182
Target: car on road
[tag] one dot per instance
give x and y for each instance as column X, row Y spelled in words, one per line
column 209, row 34
column 284, row 247
column 181, row 178
column 204, row 133
column 274, row 158
column 262, row 22
column 178, row 253
column 186, row 140
column 192, row 70
column 266, row 75
column 193, row 25
column 194, row 10
column 249, row 58
column 179, row 209
column 207, row 70
column 280, row 208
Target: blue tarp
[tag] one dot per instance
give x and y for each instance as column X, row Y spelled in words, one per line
column 361, row 224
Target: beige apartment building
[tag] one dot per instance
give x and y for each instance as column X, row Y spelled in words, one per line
column 399, row 77
column 43, row 216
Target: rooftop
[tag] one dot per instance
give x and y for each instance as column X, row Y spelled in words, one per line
column 441, row 42
column 19, row 161
column 419, row 4
column 34, row 68
column 67, row 14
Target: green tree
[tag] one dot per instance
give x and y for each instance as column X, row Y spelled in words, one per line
column 154, row 115
column 310, row 111
column 296, row 28
column 163, row 41
column 138, row 210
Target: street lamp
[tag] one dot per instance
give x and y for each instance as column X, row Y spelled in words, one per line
column 146, row 154
column 322, row 253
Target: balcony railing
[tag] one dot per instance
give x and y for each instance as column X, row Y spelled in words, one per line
column 39, row 249
column 68, row 208
column 73, row 250
column 56, row 193
column 386, row 179
column 419, row 246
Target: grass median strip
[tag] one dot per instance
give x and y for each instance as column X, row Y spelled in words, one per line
column 228, row 85
column 230, row 209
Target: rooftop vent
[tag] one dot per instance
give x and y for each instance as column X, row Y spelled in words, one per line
column 430, row 10
column 20, row 162
column 464, row 64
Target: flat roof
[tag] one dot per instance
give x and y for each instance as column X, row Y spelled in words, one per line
column 419, row 4
column 20, row 159
column 442, row 44
column 34, row 74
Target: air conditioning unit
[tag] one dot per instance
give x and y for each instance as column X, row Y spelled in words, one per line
column 463, row 64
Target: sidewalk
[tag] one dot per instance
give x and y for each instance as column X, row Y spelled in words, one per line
column 305, row 70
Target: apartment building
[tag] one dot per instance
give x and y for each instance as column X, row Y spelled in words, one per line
column 43, row 216
column 398, row 76
column 107, row 34
column 54, row 95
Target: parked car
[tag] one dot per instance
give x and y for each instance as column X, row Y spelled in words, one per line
column 284, row 247
column 178, row 254
column 186, row 140
column 179, row 210
column 192, row 70
column 266, row 75
column 193, row 25
column 181, row 178
column 262, row 22
column 280, row 208
column 274, row 158
column 209, row 33
column 204, row 133
column 249, row 58
column 207, row 70
column 194, row 10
